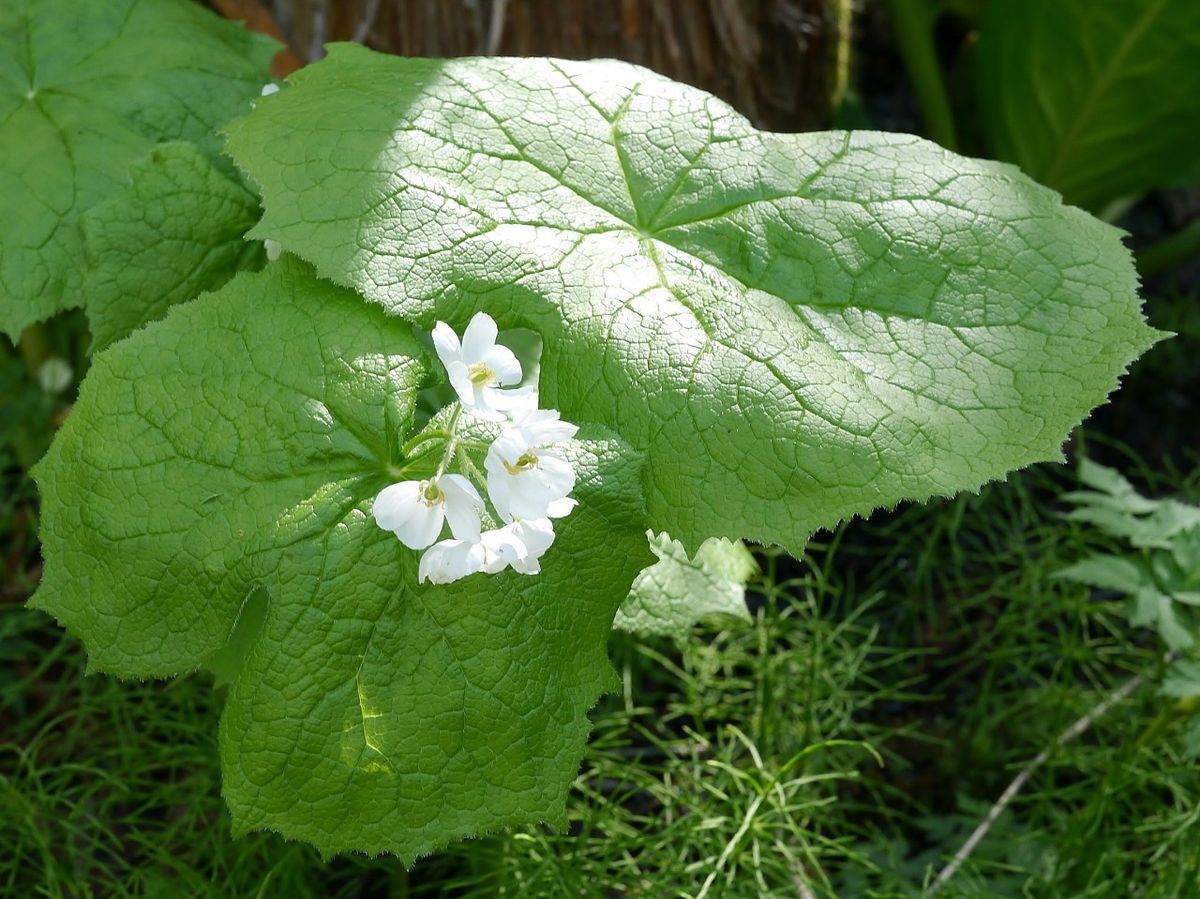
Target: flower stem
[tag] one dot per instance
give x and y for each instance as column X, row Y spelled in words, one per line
column 470, row 468
column 451, row 441
column 423, row 438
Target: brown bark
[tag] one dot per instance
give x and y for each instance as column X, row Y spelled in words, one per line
column 778, row 61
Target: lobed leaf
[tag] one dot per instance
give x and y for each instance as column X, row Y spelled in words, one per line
column 793, row 328
column 208, row 503
column 86, row 88
column 176, row 232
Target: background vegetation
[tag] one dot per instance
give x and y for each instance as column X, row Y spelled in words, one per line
column 892, row 684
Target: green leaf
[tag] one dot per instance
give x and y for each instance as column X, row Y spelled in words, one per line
column 1182, row 680
column 794, row 328
column 1110, row 489
column 1185, row 551
column 86, row 88
column 1108, row 573
column 677, row 591
column 1152, row 608
column 1119, row 510
column 1098, row 101
column 365, row 711
column 176, row 232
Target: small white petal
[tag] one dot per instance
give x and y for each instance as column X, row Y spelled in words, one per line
column 503, row 363
column 479, row 337
column 424, row 527
column 558, row 474
column 483, row 403
column 499, row 486
column 516, row 400
column 445, row 341
column 519, row 545
column 451, row 560
column 508, row 447
column 273, row 248
column 463, row 506
column 396, row 504
column 401, row 509
column 561, row 508
column 533, row 490
column 269, row 89
column 543, row 427
column 460, row 380
column 500, row 548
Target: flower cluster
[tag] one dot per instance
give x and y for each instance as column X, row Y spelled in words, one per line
column 528, row 478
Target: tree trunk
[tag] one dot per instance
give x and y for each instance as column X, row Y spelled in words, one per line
column 779, row 62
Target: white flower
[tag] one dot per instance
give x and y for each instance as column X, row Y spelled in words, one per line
column 274, row 249
column 518, row 545
column 478, row 367
column 416, row 510
column 451, row 560
column 526, row 476
column 525, row 479
column 541, row 427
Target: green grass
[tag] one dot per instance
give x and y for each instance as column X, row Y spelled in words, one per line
column 892, row 684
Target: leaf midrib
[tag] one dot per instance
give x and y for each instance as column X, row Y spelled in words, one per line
column 1051, row 172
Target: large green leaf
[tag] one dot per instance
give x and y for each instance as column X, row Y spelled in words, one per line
column 86, row 88
column 1097, row 100
column 176, row 232
column 795, row 328
column 365, row 711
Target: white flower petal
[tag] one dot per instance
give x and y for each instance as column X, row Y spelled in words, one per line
column 503, row 363
column 483, row 403
column 499, row 486
column 463, row 506
column 424, row 527
column 524, row 481
column 561, row 508
column 269, row 89
column 558, row 474
column 401, row 509
column 516, row 400
column 508, row 447
column 396, row 504
column 479, row 337
column 451, row 560
column 543, row 427
column 445, row 341
column 460, row 380
column 519, row 545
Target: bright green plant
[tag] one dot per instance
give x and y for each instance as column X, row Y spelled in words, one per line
column 87, row 89
column 758, row 335
column 1163, row 579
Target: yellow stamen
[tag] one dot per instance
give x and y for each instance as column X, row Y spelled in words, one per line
column 526, row 462
column 480, row 375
